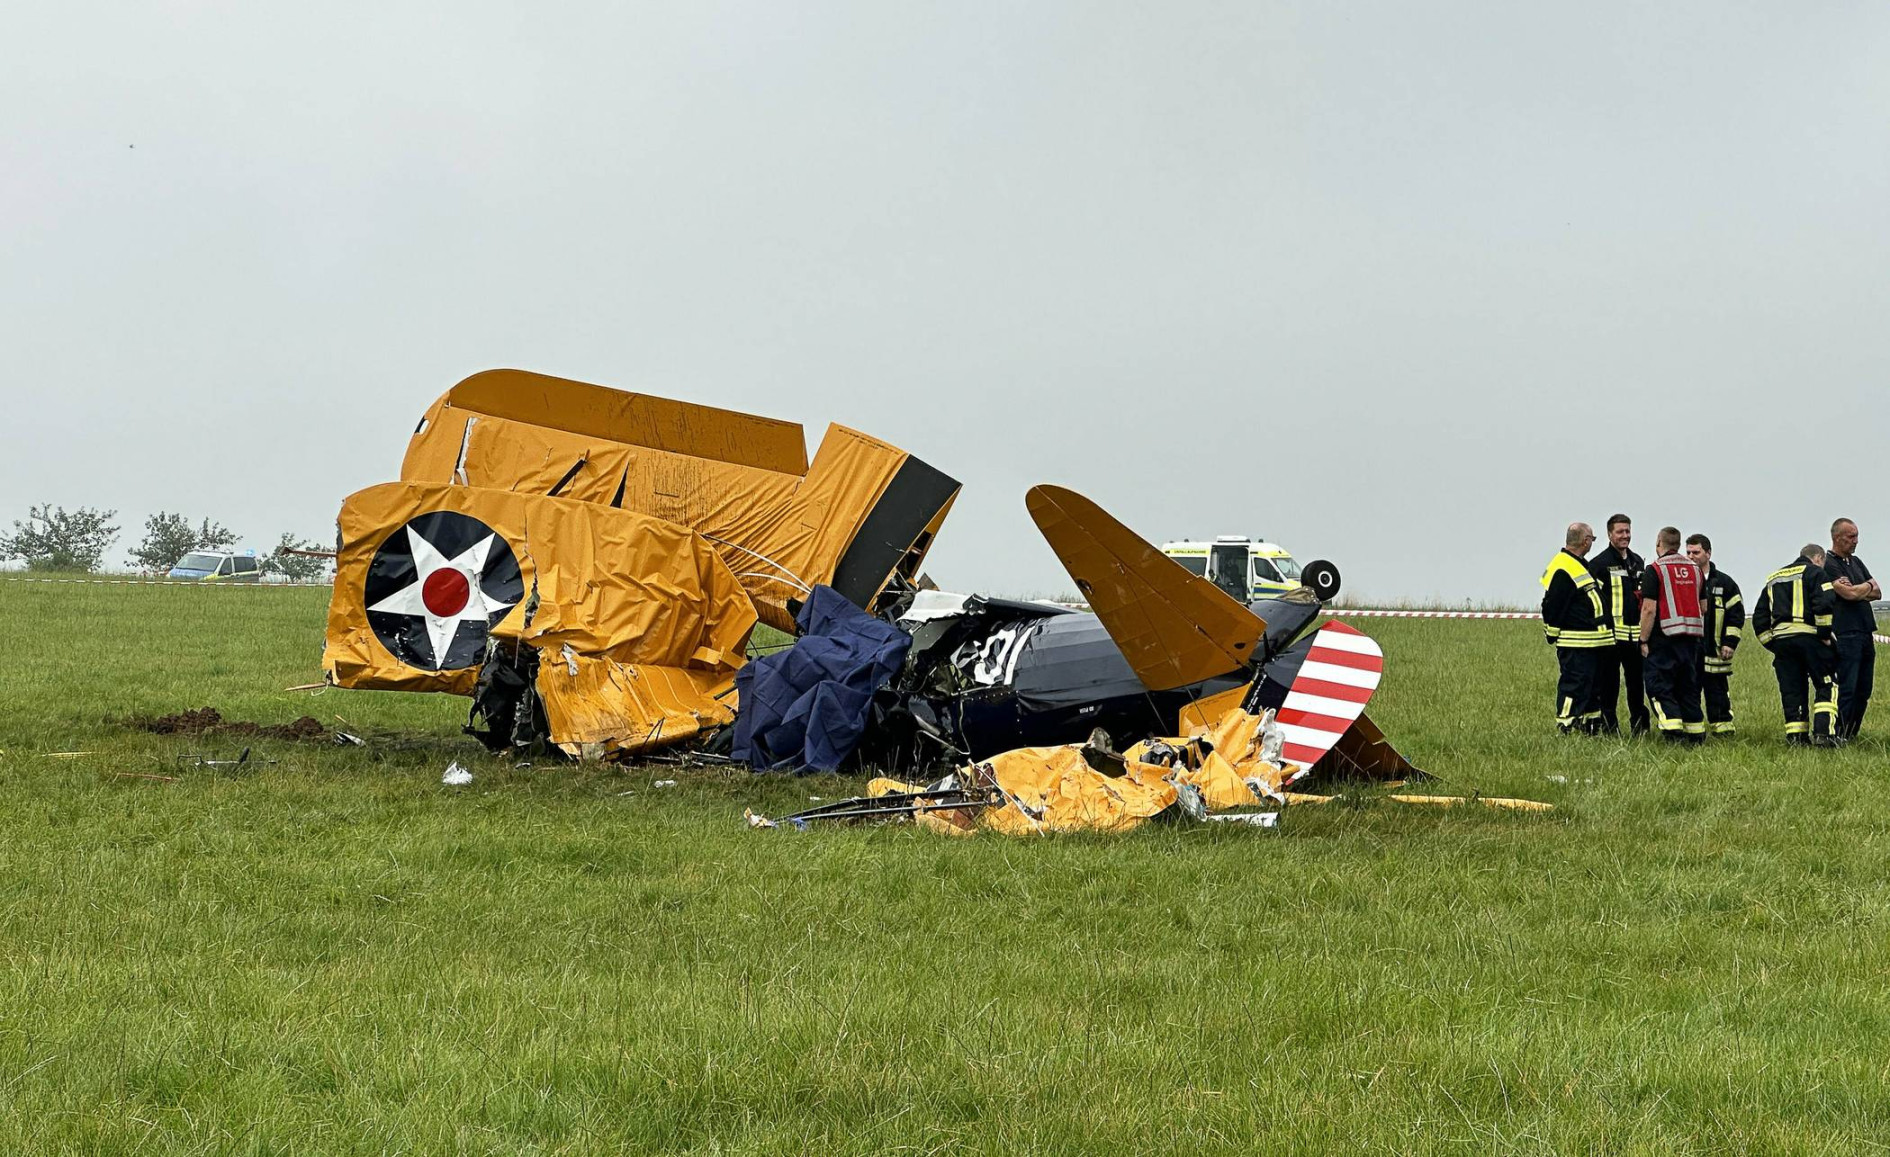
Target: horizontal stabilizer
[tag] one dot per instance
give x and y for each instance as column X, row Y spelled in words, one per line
column 1174, row 627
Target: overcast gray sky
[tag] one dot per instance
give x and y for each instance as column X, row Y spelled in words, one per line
column 1405, row 286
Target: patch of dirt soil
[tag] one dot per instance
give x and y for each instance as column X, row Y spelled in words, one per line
column 205, row 720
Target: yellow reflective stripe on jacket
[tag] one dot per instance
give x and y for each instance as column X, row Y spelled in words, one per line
column 1596, row 638
column 1786, row 630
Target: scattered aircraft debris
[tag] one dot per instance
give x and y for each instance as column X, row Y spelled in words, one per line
column 199, row 760
column 588, row 565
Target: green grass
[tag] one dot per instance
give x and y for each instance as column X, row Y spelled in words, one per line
column 334, row 953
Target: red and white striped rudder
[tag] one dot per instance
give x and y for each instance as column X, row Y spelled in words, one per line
column 1330, row 692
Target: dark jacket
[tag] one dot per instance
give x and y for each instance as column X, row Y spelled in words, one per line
column 1851, row 617
column 1797, row 600
column 1620, row 581
column 1725, row 613
column 1572, row 611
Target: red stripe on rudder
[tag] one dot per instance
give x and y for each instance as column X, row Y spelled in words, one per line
column 1350, row 659
column 1332, row 723
column 1345, row 691
column 1301, row 754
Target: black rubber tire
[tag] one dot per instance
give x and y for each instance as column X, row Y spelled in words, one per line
column 1322, row 578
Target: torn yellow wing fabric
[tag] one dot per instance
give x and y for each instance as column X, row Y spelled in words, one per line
column 783, row 525
column 639, row 624
column 1201, row 715
column 618, row 416
column 1054, row 789
column 1174, row 627
column 1219, row 760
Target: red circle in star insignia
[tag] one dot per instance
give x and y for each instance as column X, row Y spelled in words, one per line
column 446, row 592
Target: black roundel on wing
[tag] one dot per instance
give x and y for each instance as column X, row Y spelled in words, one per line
column 436, row 586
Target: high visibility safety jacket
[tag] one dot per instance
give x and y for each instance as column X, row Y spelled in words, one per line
column 1620, row 578
column 1671, row 589
column 1725, row 615
column 1797, row 600
column 1572, row 611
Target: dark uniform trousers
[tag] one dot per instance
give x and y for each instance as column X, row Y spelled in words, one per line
column 1716, row 690
column 1611, row 664
column 1575, row 689
column 1672, row 676
column 1856, row 671
column 1801, row 661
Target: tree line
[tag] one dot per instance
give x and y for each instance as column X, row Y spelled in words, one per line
column 52, row 538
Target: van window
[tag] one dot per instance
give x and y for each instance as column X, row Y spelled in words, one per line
column 197, row 560
column 1227, row 570
column 228, row 567
column 1196, row 563
column 245, row 565
column 1289, row 570
column 1263, row 571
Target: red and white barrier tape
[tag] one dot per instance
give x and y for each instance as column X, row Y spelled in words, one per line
column 1351, row 613
column 150, row 582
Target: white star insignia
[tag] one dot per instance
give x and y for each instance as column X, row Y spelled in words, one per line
column 445, row 591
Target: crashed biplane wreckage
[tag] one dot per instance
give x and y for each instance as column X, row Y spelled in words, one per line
column 587, row 565
column 1162, row 651
column 1241, row 701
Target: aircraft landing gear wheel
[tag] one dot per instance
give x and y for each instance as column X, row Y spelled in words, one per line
column 1322, row 578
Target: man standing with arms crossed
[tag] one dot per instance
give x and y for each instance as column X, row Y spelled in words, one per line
column 1725, row 614
column 1619, row 571
column 1852, row 626
column 1670, row 630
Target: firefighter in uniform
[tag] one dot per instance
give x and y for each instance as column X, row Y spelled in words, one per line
column 1792, row 617
column 1852, row 626
column 1725, row 614
column 1670, row 630
column 1577, row 627
column 1619, row 570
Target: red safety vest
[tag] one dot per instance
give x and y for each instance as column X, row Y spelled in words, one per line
column 1678, row 612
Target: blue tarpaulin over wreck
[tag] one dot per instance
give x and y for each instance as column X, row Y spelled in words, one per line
column 804, row 709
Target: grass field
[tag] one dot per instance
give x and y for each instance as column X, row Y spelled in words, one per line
column 334, row 953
